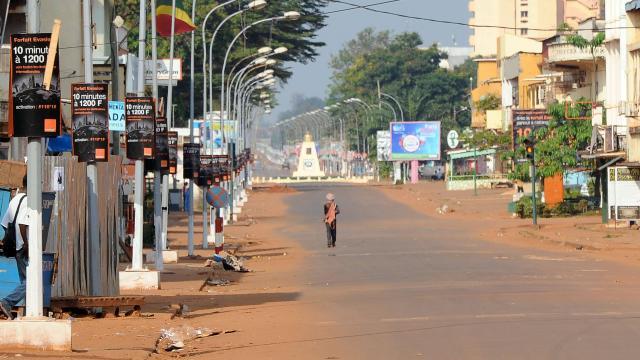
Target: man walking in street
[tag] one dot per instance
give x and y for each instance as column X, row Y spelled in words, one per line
column 331, row 211
column 17, row 215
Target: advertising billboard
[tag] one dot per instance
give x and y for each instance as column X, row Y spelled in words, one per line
column 34, row 111
column 527, row 120
column 384, row 145
column 191, row 161
column 90, row 120
column 140, row 123
column 418, row 140
column 172, row 141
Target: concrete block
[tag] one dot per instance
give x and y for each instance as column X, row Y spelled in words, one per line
column 168, row 257
column 36, row 334
column 235, row 218
column 139, row 280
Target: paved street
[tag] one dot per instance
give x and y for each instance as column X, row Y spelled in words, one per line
column 400, row 285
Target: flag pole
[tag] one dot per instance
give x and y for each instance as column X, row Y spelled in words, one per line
column 170, row 120
column 191, row 115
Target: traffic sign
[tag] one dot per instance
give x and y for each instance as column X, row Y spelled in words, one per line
column 453, row 139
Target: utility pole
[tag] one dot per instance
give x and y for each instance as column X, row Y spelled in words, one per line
column 191, row 116
column 165, row 177
column 136, row 261
column 92, row 169
column 157, row 176
column 115, row 68
column 34, row 299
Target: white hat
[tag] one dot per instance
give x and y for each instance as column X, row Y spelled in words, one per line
column 330, row 197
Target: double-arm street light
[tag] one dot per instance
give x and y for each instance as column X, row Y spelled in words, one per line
column 289, row 15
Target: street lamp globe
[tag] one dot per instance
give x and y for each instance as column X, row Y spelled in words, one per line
column 280, row 50
column 264, row 50
column 260, row 61
column 257, row 5
column 291, row 15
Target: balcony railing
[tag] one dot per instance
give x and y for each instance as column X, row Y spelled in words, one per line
column 568, row 52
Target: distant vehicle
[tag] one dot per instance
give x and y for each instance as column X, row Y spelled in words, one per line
column 285, row 165
column 431, row 172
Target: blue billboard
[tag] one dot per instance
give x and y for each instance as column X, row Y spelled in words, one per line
column 419, row 140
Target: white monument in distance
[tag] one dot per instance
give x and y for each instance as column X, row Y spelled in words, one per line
column 308, row 163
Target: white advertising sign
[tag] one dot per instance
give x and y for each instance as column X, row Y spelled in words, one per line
column 162, row 69
column 624, row 193
column 384, row 145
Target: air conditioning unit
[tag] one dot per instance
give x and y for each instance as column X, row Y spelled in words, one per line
column 610, row 139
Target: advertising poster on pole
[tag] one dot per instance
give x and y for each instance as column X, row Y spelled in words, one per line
column 161, row 159
column 34, row 111
column 419, row 140
column 221, row 167
column 205, row 177
column 116, row 116
column 190, row 161
column 140, row 116
column 527, row 120
column 172, row 141
column 384, row 145
column 90, row 119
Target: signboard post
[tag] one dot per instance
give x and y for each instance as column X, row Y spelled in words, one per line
column 205, row 179
column 161, row 167
column 34, row 112
column 139, row 116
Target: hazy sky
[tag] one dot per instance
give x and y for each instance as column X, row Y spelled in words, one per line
column 312, row 79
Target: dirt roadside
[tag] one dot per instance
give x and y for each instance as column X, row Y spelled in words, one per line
column 252, row 309
column 487, row 212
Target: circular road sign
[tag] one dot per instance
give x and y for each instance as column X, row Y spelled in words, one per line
column 453, row 139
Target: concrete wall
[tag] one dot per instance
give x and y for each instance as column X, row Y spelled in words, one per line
column 574, row 11
column 487, row 76
column 538, row 14
column 459, row 185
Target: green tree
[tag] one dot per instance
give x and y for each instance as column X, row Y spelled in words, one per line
column 408, row 72
column 592, row 44
column 557, row 145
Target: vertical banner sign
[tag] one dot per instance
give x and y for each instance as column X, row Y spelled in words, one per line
column 206, row 170
column 33, row 110
column 162, row 146
column 190, row 161
column 89, row 113
column 116, row 116
column 139, row 116
column 221, row 163
column 172, row 140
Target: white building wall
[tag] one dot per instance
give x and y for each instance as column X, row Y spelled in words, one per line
column 616, row 62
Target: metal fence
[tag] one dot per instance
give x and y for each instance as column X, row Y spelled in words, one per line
column 68, row 231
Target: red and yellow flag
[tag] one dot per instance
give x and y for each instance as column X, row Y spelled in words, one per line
column 163, row 18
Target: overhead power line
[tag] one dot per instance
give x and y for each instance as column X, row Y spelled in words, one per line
column 459, row 23
column 355, row 7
